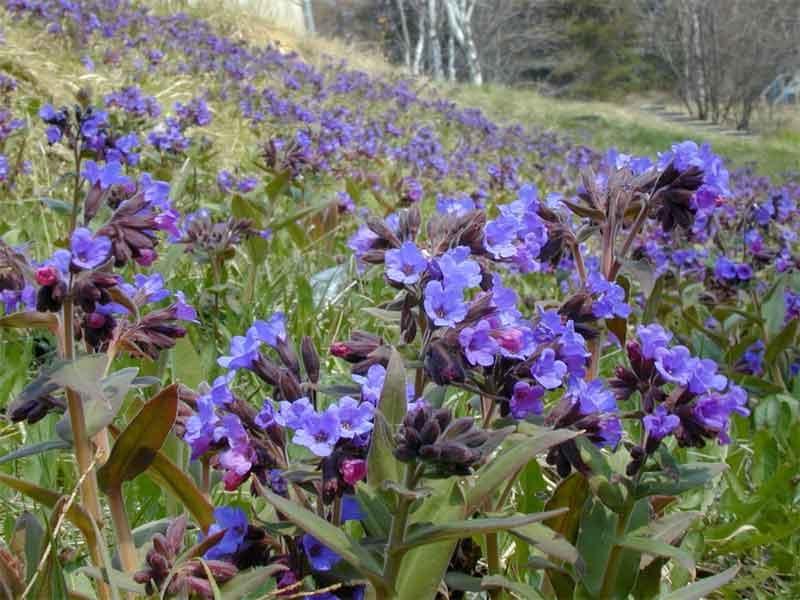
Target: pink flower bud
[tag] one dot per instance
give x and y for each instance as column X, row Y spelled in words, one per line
column 46, row 275
column 353, row 470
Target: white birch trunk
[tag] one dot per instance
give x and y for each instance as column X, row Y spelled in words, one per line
column 434, row 48
column 401, row 7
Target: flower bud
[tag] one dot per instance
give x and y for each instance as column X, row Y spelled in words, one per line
column 353, row 470
column 310, row 359
column 47, row 275
column 442, row 365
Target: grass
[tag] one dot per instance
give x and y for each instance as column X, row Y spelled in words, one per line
column 630, row 129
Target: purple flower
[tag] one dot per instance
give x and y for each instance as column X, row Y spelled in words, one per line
column 458, row 270
column 606, row 431
column 704, row 377
column 319, row 432
column 572, row 350
column 592, row 397
column 526, row 400
column 320, row 557
column 456, row 207
column 653, row 337
column 200, row 427
column 89, row 252
column 243, row 351
column 548, row 371
column 725, row 268
column 675, row 364
column 372, row 383
column 444, row 306
column 753, row 358
column 478, row 344
column 271, row 331
column 660, row 424
column 106, row 176
column 266, row 416
column 405, row 264
column 713, row 411
column 501, row 237
column 293, row 414
column 183, row 310
column 234, row 522
column 354, row 418
column 610, row 301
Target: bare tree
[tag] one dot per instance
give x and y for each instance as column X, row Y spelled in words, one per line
column 459, row 19
column 406, row 37
column 724, row 53
column 434, row 47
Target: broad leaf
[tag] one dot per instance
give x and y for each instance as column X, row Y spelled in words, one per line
column 520, row 590
column 516, row 452
column 30, row 320
column 139, row 443
column 381, row 463
column 785, row 340
column 429, row 534
column 667, row 529
column 34, row 449
column 701, row 589
column 655, row 547
column 548, row 541
column 688, row 476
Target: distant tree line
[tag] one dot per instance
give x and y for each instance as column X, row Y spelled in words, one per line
column 716, row 56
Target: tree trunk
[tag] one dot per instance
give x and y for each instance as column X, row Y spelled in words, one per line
column 473, row 61
column 416, row 68
column 308, row 13
column 434, row 48
column 401, row 8
column 451, row 58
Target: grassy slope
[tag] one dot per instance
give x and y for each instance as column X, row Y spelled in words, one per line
column 598, row 124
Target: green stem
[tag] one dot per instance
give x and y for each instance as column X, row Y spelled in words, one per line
column 397, row 533
column 614, row 558
column 493, row 561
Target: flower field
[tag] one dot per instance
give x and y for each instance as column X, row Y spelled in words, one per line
column 281, row 328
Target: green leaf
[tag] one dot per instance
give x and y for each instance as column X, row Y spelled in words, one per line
column 655, row 547
column 571, row 493
column 701, row 589
column 668, row 529
column 278, row 185
column 377, row 519
column 653, row 301
column 494, row 582
column 688, row 476
column 296, row 216
column 137, row 446
column 30, row 320
column 51, row 582
column 28, row 541
column 120, row 580
column 548, row 541
column 430, row 534
column 773, row 309
column 177, row 483
column 102, row 397
column 76, row 514
column 259, row 579
column 381, row 463
column 516, row 452
column 331, row 536
column 781, row 342
column 34, row 449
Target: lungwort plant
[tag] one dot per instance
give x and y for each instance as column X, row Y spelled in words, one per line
column 356, row 342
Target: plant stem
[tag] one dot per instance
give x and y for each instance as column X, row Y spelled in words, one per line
column 122, row 528
column 83, row 451
column 612, row 569
column 397, row 534
column 493, row 561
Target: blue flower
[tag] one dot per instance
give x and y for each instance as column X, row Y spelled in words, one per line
column 354, row 418
column 234, row 522
column 320, row 557
column 405, row 264
column 318, row 432
column 526, row 400
column 549, row 371
column 293, row 414
column 478, row 344
column 675, row 364
column 88, row 251
column 444, row 306
column 458, row 271
column 372, row 383
column 272, row 331
column 653, row 337
column 660, row 424
column 243, row 351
